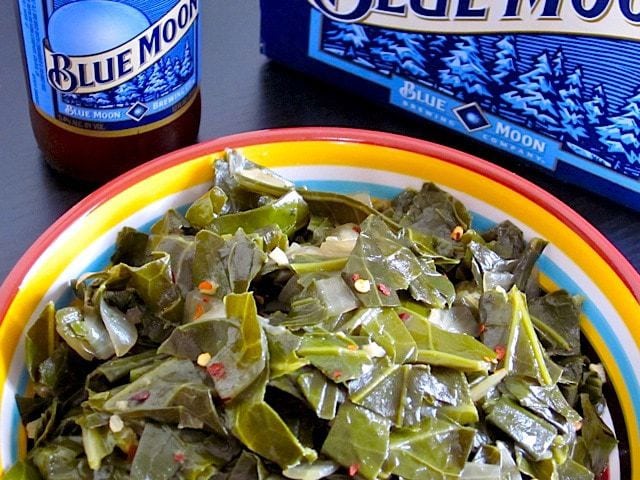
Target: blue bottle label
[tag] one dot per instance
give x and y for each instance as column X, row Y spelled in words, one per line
column 108, row 66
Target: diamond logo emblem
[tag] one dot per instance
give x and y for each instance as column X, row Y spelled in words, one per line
column 472, row 117
column 137, row 111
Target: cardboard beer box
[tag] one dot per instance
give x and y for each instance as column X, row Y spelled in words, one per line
column 556, row 83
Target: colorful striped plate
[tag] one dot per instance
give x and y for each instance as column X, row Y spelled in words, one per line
column 578, row 259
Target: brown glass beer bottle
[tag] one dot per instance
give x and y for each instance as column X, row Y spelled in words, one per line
column 112, row 83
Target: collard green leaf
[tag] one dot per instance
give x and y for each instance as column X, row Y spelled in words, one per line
column 209, row 263
column 41, row 342
column 239, row 362
column 556, row 317
column 289, row 212
column 154, row 283
column 449, row 391
column 174, row 392
column 119, row 369
column 84, row 333
column 262, row 430
column 358, row 439
column 598, row 438
column 439, row 347
column 22, row 470
column 533, row 434
column 202, row 336
column 246, row 467
column 381, row 258
column 171, row 223
column 434, row 212
column 283, row 346
column 61, row 459
column 439, row 448
column 244, row 261
column 524, row 354
column 546, row 401
column 394, row 392
column 335, row 294
column 166, row 452
column 335, row 355
column 122, row 333
column 506, row 240
column 383, row 326
column 527, row 261
column 312, row 471
column 323, row 395
column 207, row 207
column 131, row 247
column 181, row 251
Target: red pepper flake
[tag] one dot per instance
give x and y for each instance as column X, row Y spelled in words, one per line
column 355, row 277
column 456, row 233
column 337, row 375
column 482, row 328
column 501, row 351
column 205, row 300
column 386, row 291
column 357, row 229
column 140, row 396
column 179, row 457
column 354, row 468
column 404, row 316
column 216, row 370
column 199, row 311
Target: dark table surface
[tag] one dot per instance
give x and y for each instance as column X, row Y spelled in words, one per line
column 241, row 91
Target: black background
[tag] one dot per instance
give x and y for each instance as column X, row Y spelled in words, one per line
column 241, row 91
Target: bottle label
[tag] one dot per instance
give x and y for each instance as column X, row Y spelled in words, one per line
column 108, row 66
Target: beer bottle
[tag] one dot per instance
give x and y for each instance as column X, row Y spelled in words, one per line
column 112, row 83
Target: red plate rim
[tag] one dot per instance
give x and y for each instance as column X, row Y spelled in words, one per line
column 567, row 215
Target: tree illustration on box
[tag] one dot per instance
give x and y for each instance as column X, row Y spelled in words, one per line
column 504, row 72
column 571, row 108
column 596, row 111
column 347, row 40
column 464, row 74
column 535, row 96
column 410, row 54
column 436, row 48
column 622, row 136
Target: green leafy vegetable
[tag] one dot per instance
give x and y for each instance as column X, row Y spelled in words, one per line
column 274, row 332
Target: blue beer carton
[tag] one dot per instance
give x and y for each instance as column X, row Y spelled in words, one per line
column 556, row 83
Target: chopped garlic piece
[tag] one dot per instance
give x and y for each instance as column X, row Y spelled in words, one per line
column 204, row 359
column 115, row 423
column 373, row 350
column 362, row 285
column 278, row 256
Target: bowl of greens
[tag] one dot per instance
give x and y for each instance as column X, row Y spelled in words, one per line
column 320, row 303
